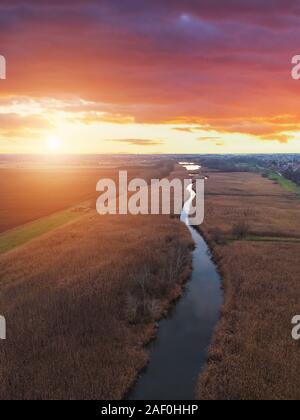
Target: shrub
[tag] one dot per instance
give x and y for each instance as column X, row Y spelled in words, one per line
column 218, row 236
column 241, row 230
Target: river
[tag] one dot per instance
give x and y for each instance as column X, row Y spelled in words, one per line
column 179, row 353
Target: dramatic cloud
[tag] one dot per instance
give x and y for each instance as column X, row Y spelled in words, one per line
column 224, row 64
column 16, row 126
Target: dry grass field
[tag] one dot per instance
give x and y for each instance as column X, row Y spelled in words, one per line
column 37, row 199
column 267, row 208
column 29, row 194
column 32, row 192
column 253, row 355
column 81, row 301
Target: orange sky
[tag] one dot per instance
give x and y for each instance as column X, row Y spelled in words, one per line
column 149, row 76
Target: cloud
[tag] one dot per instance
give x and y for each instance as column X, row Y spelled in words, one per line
column 281, row 138
column 14, row 125
column 208, row 138
column 184, row 129
column 226, row 64
column 188, row 129
column 139, row 142
column 216, row 140
column 97, row 118
column 275, row 128
column 17, row 121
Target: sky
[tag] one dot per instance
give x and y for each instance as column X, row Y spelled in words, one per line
column 149, row 76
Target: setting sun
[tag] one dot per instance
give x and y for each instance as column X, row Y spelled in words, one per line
column 53, row 144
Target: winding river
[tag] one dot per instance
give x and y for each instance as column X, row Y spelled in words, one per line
column 179, row 353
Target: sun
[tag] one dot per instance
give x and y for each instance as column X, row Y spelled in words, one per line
column 53, row 144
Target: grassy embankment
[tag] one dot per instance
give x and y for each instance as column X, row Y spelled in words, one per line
column 23, row 234
column 253, row 355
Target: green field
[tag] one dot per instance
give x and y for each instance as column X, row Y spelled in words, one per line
column 284, row 183
column 20, row 235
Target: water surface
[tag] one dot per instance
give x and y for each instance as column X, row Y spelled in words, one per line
column 179, row 353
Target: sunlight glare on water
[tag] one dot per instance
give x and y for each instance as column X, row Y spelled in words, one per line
column 190, row 166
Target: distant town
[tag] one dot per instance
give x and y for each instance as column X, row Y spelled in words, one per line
column 284, row 165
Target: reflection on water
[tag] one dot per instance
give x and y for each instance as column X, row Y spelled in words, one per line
column 189, row 166
column 179, row 353
column 192, row 167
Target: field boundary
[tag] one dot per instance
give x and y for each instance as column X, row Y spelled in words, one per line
column 20, row 235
